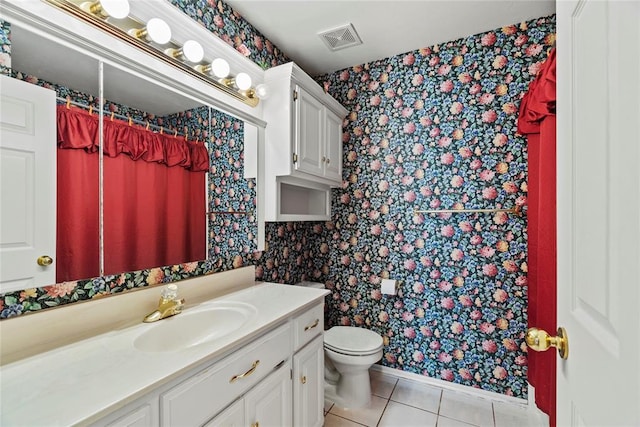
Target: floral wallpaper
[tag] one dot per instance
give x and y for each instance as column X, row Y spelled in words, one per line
column 5, row 49
column 219, row 18
column 436, row 129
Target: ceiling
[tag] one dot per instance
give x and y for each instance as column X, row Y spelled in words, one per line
column 386, row 27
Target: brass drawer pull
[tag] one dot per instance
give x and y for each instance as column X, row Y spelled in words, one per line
column 313, row 325
column 246, row 374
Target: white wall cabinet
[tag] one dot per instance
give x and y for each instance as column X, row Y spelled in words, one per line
column 317, row 134
column 303, row 146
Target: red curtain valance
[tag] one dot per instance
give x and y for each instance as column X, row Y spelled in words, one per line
column 78, row 129
column 540, row 101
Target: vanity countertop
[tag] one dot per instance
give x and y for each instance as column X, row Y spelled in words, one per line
column 82, row 382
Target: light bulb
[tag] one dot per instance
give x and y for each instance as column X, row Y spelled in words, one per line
column 115, row 8
column 243, row 81
column 192, row 51
column 156, row 30
column 262, row 91
column 220, row 68
column 105, row 8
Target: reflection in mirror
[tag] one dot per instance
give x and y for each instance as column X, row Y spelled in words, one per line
column 75, row 80
column 227, row 198
column 155, row 164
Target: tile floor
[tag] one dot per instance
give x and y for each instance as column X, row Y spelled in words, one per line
column 398, row 402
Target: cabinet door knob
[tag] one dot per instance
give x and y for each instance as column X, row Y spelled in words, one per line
column 303, row 379
column 256, row 424
column 328, row 161
column 324, row 159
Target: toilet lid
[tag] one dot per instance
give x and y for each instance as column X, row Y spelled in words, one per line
column 352, row 340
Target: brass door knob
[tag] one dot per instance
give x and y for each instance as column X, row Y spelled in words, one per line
column 44, row 260
column 540, row 340
column 303, row 379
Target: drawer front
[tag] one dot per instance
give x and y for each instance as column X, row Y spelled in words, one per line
column 196, row 400
column 307, row 326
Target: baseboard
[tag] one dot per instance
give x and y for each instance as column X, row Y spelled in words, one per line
column 531, row 394
column 483, row 394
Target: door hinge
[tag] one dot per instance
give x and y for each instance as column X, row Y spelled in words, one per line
column 295, row 158
column 295, row 95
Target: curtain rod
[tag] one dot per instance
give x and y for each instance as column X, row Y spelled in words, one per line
column 227, row 213
column 516, row 210
column 161, row 129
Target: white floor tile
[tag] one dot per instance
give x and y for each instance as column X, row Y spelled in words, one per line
column 327, row 405
column 422, row 396
column 470, row 409
column 381, row 384
column 507, row 415
column 450, row 422
column 335, row 421
column 399, row 415
column 368, row 415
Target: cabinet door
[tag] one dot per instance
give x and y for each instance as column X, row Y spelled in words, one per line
column 145, row 415
column 333, row 149
column 233, row 416
column 269, row 403
column 308, row 385
column 309, row 134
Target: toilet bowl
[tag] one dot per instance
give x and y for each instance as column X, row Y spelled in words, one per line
column 349, row 353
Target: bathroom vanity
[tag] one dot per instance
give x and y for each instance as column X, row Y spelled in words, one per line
column 262, row 364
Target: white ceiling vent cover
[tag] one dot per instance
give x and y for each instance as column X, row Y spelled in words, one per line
column 341, row 37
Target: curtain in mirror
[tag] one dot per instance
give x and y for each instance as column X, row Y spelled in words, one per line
column 153, row 203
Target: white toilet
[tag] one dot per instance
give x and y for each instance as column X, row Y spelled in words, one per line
column 349, row 353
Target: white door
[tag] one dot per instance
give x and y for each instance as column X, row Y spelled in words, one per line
column 309, row 133
column 598, row 199
column 269, row 403
column 27, row 185
column 308, row 384
column 333, row 163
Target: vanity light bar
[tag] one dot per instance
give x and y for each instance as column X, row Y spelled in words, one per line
column 157, row 32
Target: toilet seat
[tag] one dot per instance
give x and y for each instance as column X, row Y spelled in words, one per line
column 352, row 341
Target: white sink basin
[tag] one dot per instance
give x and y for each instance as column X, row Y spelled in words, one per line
column 195, row 326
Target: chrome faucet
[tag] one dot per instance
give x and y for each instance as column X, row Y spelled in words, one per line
column 168, row 306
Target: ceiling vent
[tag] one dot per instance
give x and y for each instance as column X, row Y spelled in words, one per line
column 341, row 37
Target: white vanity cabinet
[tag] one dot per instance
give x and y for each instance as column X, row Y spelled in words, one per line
column 197, row 399
column 275, row 380
column 303, row 146
column 308, row 368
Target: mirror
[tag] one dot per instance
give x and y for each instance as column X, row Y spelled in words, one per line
column 226, row 205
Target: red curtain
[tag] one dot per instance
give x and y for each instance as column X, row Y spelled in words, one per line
column 154, row 196
column 537, row 120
